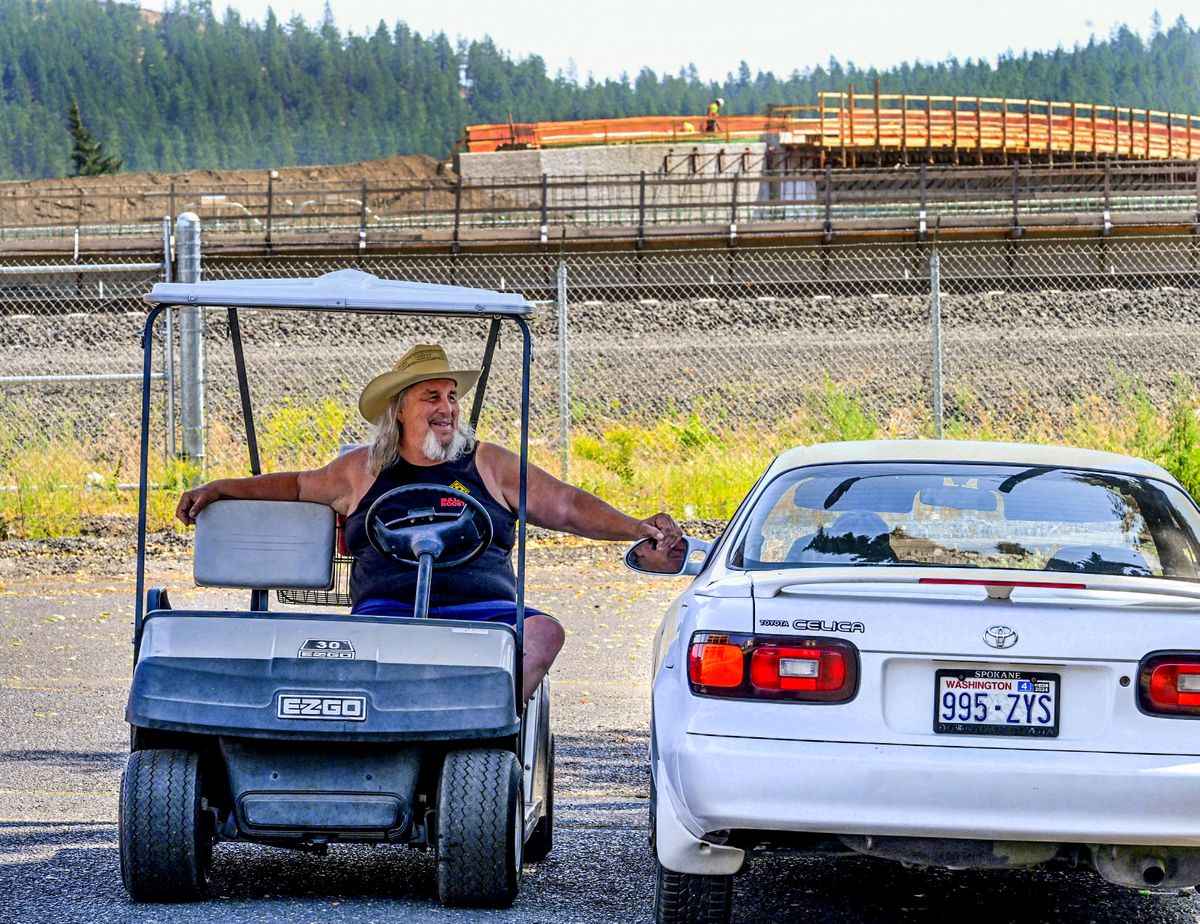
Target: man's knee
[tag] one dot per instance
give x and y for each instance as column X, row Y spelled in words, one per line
column 544, row 637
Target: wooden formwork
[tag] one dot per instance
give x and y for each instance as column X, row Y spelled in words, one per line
column 852, row 129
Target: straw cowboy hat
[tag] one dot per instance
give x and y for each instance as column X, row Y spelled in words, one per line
column 420, row 364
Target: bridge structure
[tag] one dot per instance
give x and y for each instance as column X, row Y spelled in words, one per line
column 882, row 129
column 852, row 167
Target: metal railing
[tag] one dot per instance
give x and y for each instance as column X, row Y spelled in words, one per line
column 692, row 196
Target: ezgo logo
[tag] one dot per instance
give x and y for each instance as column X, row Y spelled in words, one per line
column 325, row 708
column 339, row 649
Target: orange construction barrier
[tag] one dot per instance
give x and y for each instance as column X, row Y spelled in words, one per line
column 848, row 124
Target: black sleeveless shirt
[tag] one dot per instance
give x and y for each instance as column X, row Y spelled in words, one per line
column 488, row 577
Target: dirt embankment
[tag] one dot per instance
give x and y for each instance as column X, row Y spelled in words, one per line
column 405, row 167
column 414, row 181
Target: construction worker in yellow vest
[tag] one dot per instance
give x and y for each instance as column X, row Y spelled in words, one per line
column 713, row 109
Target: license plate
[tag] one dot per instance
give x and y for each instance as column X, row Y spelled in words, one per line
column 996, row 702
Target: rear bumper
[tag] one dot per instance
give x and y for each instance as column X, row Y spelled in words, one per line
column 723, row 783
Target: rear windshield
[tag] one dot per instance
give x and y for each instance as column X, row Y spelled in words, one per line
column 972, row 516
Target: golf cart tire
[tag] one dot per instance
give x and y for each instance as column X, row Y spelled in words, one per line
column 541, row 841
column 685, row 898
column 165, row 835
column 479, row 820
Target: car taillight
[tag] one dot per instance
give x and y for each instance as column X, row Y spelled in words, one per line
column 1169, row 684
column 716, row 664
column 815, row 670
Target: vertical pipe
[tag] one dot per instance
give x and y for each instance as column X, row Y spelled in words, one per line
column 1004, row 131
column 1074, row 122
column 564, row 402
column 169, row 337
column 641, row 233
column 954, row 129
column 522, row 493
column 842, row 125
column 821, row 101
column 143, row 478
column 458, row 185
column 852, row 115
column 878, row 128
column 929, row 129
column 935, row 305
column 270, row 203
column 191, row 342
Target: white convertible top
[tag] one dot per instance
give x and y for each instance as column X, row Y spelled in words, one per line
column 969, row 451
column 344, row 289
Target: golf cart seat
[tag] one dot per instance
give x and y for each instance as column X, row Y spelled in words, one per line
column 260, row 544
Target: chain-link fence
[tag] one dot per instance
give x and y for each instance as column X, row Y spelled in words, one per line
column 70, row 379
column 747, row 347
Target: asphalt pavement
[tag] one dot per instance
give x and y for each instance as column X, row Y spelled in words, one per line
column 65, row 622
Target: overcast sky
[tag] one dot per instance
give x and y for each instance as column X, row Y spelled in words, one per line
column 614, row 36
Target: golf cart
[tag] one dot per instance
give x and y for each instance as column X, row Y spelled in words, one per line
column 300, row 727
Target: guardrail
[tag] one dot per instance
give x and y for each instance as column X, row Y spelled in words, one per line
column 750, row 192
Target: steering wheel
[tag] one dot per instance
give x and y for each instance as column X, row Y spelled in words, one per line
column 412, row 519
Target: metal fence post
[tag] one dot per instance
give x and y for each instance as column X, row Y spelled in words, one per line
column 564, row 405
column 169, row 337
column 191, row 340
column 935, row 304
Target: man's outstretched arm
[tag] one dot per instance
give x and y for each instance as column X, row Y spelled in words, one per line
column 554, row 504
column 336, row 485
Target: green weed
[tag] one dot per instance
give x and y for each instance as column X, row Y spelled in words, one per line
column 696, row 463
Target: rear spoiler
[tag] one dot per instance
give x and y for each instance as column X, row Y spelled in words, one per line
column 998, row 582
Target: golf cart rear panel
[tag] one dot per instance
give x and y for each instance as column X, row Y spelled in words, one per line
column 320, row 678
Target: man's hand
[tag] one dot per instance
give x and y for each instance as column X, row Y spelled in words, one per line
column 195, row 500
column 662, row 529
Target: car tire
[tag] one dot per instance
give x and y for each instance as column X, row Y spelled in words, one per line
column 541, row 841
column 686, row 898
column 480, row 829
column 166, row 837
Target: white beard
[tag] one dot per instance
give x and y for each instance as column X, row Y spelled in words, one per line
column 460, row 443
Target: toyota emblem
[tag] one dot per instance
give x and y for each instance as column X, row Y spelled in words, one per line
column 1000, row 637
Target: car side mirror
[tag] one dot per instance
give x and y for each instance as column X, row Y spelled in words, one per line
column 685, row 557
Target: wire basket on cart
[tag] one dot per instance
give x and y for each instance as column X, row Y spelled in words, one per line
column 338, row 593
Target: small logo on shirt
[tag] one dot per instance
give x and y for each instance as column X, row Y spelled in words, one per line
column 459, row 486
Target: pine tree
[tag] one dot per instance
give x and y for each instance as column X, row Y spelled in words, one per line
column 87, row 154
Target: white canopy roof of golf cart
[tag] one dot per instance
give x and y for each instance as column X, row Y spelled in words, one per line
column 344, row 289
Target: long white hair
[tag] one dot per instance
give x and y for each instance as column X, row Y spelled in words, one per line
column 384, row 449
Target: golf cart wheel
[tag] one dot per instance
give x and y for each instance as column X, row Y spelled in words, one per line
column 480, row 828
column 166, row 838
column 541, row 841
column 685, row 898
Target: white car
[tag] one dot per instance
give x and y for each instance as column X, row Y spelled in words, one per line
column 947, row 653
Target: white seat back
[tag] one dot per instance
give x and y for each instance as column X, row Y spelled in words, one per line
column 262, row 544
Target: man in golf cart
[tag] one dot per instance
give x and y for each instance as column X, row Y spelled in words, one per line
column 420, row 437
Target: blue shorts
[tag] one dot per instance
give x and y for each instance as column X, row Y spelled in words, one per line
column 483, row 611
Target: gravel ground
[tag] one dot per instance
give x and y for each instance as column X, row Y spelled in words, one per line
column 65, row 609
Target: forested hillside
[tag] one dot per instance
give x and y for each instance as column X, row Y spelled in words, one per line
column 186, row 90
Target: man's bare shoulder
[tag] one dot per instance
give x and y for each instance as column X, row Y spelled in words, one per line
column 493, row 454
column 341, row 482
